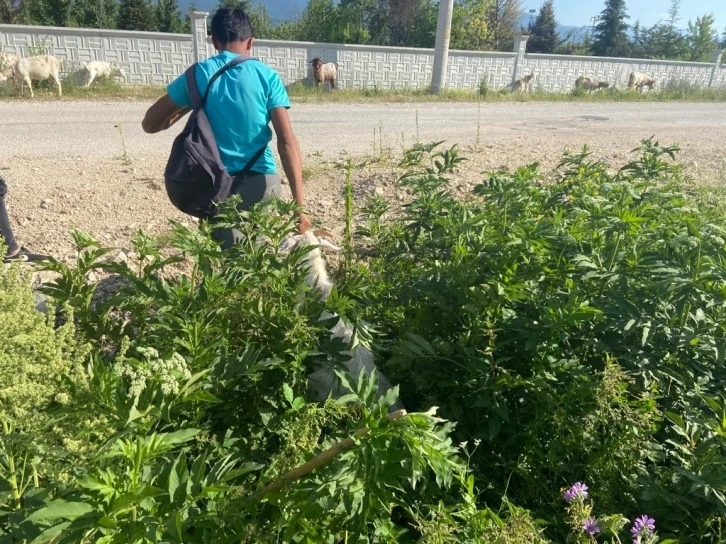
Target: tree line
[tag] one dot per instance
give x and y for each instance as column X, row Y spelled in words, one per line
column 483, row 25
column 160, row 15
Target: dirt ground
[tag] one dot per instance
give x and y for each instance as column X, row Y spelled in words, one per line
column 112, row 195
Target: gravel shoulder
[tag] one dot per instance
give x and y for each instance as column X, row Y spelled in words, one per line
column 69, row 166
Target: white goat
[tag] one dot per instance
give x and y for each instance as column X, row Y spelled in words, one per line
column 30, row 69
column 324, row 72
column 323, row 382
column 98, row 69
column 590, row 84
column 639, row 80
column 7, row 60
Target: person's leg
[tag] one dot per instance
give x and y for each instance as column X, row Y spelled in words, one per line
column 253, row 188
column 6, row 232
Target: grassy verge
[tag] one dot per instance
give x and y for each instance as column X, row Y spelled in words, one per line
column 111, row 90
column 101, row 90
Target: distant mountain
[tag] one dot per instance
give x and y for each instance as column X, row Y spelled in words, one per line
column 280, row 10
column 563, row 30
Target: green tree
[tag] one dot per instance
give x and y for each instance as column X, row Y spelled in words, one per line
column 135, row 15
column 357, row 21
column 168, row 16
column 47, row 12
column 261, row 23
column 407, row 23
column 244, row 5
column 611, row 31
column 543, row 36
column 702, row 38
column 470, row 25
column 661, row 41
column 11, row 11
column 94, row 13
column 675, row 45
column 505, row 21
column 317, row 23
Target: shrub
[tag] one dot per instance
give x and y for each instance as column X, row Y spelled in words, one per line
column 44, row 390
column 199, row 381
column 572, row 324
column 575, row 327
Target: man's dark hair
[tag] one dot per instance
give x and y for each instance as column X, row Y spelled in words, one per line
column 231, row 25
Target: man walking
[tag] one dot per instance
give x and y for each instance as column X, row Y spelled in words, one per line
column 15, row 253
column 240, row 106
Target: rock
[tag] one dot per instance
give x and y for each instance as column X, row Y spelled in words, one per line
column 41, row 302
column 91, row 277
column 378, row 191
column 45, row 203
column 118, row 256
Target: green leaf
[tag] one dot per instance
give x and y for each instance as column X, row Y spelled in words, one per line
column 134, row 498
column 178, row 476
column 646, row 333
column 241, row 471
column 61, row 509
column 50, row 534
column 287, row 391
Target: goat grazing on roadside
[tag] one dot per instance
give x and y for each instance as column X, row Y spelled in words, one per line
column 30, row 69
column 639, row 80
column 324, row 72
column 522, row 84
column 590, row 84
column 7, row 61
column 323, row 382
column 98, row 69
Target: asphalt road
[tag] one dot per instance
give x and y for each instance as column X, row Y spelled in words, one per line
column 88, row 129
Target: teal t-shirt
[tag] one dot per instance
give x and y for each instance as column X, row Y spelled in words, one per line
column 238, row 108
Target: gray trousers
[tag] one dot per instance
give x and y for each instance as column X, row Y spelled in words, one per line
column 253, row 188
column 6, row 232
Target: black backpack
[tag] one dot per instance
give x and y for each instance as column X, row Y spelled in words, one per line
column 196, row 180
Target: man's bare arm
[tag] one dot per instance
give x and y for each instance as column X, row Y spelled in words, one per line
column 289, row 149
column 163, row 114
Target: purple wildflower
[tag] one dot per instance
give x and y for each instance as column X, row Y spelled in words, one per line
column 591, row 527
column 643, row 526
column 577, row 491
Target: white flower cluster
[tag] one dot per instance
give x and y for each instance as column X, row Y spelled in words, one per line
column 169, row 373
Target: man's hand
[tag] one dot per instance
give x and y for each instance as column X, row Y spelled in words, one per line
column 163, row 114
column 303, row 223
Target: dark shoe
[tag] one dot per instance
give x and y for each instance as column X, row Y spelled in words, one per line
column 25, row 256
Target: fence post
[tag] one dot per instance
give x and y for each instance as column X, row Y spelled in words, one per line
column 441, row 53
column 520, row 48
column 716, row 60
column 199, row 35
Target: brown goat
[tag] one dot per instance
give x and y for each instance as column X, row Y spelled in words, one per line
column 521, row 84
column 324, row 72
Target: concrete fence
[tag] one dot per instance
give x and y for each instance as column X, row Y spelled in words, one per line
column 155, row 59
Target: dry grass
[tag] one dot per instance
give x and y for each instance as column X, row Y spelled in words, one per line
column 111, row 90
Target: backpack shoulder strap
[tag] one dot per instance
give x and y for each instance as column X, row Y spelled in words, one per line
column 234, row 62
column 192, row 87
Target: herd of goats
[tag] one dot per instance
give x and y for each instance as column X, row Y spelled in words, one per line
column 25, row 70
column 636, row 81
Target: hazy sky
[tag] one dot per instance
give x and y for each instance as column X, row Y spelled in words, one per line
column 580, row 12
